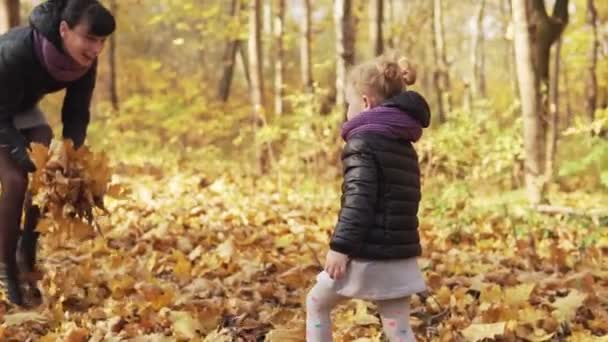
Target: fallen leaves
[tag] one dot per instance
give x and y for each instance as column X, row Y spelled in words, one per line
column 67, row 185
column 230, row 262
column 478, row 332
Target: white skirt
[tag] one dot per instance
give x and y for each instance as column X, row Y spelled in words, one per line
column 377, row 280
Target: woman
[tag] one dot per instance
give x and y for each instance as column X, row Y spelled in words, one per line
column 58, row 50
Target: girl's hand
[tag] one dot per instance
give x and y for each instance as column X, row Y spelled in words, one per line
column 335, row 264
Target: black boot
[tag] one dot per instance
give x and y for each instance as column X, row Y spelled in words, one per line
column 9, row 280
column 26, row 258
column 28, row 242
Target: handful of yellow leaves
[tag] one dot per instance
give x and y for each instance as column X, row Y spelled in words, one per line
column 67, row 186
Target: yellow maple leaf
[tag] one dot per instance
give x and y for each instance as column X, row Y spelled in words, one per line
column 77, row 335
column 531, row 315
column 565, row 307
column 58, row 156
column 184, row 325
column 362, row 316
column 183, row 268
column 23, row 317
column 491, row 294
column 80, row 230
column 225, row 250
column 478, row 332
column 519, row 295
column 286, row 334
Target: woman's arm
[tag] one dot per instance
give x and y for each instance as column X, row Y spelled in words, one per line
column 11, row 95
column 75, row 113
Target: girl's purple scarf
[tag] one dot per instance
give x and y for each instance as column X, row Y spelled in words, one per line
column 387, row 121
column 62, row 67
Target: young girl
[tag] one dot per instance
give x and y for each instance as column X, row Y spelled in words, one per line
column 57, row 50
column 375, row 243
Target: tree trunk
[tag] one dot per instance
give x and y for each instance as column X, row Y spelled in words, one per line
column 242, row 49
column 257, row 84
column 113, row 88
column 553, row 117
column 441, row 76
column 305, row 48
column 535, row 32
column 591, row 86
column 9, row 14
column 376, row 8
column 278, row 63
column 391, row 40
column 568, row 120
column 506, row 13
column 478, row 54
column 345, row 46
column 229, row 58
column 255, row 57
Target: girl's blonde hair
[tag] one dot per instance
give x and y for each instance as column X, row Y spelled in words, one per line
column 382, row 77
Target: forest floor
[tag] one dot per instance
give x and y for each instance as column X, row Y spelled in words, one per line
column 231, row 258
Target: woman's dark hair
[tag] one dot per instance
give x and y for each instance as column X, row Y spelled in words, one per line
column 91, row 12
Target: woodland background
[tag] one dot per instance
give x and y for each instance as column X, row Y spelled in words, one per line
column 221, row 123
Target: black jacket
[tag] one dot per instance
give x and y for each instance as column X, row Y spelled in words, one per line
column 381, row 193
column 24, row 80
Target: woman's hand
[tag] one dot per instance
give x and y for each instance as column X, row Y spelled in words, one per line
column 335, row 264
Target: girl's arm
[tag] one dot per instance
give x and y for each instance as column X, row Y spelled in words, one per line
column 359, row 197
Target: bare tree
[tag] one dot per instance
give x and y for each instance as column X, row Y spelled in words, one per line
column 478, row 54
column 229, row 58
column 535, row 33
column 255, row 58
column 112, row 84
column 591, row 86
column 279, row 19
column 441, row 75
column 506, row 13
column 376, row 8
column 305, row 48
column 345, row 45
column 553, row 119
column 257, row 81
column 9, row 14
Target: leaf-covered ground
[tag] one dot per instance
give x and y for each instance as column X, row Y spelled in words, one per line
column 231, row 259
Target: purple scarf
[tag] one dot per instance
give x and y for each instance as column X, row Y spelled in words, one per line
column 387, row 121
column 61, row 66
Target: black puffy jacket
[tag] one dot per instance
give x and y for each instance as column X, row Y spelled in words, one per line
column 381, row 193
column 24, row 80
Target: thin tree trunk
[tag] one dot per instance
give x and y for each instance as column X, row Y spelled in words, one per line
column 591, row 87
column 9, row 14
column 468, row 98
column 113, row 88
column 478, row 54
column 376, row 8
column 305, row 48
column 441, row 75
column 255, row 57
column 257, row 84
column 529, row 88
column 391, row 40
column 506, row 10
column 345, row 44
column 568, row 120
column 229, row 58
column 242, row 50
column 535, row 32
column 553, row 118
column 278, row 64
